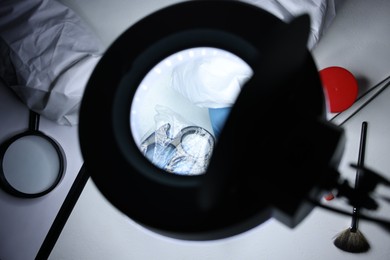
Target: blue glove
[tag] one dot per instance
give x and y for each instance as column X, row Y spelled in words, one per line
column 218, row 117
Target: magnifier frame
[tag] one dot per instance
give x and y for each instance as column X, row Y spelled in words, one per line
column 7, row 186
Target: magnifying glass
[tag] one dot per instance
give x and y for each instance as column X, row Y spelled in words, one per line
column 31, row 162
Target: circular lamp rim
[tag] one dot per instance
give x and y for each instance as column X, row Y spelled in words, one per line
column 124, row 176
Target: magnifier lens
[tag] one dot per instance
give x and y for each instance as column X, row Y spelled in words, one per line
column 31, row 164
column 179, row 92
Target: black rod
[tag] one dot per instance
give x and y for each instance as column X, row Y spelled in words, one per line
column 63, row 214
column 33, row 121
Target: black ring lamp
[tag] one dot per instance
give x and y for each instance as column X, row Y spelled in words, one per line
column 291, row 146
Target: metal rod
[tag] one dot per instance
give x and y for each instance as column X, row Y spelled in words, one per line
column 33, row 121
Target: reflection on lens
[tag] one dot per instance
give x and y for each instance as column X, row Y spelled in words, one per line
column 170, row 113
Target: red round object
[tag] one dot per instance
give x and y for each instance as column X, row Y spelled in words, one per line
column 329, row 196
column 341, row 88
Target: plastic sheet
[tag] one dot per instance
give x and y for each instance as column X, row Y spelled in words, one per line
column 176, row 145
column 47, row 55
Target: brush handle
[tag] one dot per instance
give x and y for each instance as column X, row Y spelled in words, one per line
column 362, row 150
column 360, row 164
column 355, row 220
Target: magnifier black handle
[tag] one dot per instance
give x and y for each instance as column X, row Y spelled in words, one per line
column 33, row 124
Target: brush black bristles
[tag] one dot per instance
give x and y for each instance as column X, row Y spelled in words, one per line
column 351, row 241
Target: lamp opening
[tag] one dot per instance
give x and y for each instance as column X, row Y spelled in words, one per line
column 181, row 105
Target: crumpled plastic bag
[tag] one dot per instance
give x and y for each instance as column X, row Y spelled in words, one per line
column 47, row 55
column 176, row 145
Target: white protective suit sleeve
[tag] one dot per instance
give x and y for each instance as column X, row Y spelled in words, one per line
column 47, row 55
column 321, row 13
column 216, row 82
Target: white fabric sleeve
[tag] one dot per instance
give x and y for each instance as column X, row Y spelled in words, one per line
column 211, row 81
column 321, row 12
column 215, row 82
